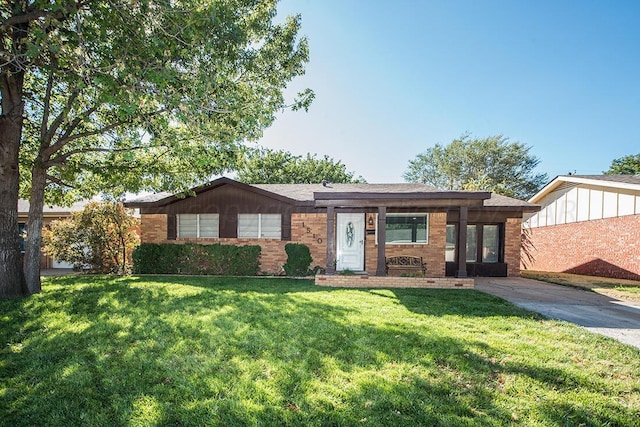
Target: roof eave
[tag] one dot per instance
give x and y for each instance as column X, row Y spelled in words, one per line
column 212, row 185
column 431, row 195
column 580, row 180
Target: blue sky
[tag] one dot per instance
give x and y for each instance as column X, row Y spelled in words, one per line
column 393, row 78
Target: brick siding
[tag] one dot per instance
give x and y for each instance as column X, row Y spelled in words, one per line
column 311, row 229
column 432, row 253
column 153, row 228
column 605, row 247
column 512, row 233
column 273, row 255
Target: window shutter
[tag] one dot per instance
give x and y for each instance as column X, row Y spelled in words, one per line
column 171, row 227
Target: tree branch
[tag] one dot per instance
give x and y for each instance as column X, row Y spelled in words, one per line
column 61, row 158
column 35, row 14
column 56, row 124
column 54, row 180
column 45, row 112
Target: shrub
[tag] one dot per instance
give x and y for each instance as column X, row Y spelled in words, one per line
column 101, row 237
column 217, row 259
column 298, row 259
column 153, row 258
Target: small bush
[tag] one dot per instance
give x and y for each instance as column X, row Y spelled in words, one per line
column 298, row 259
column 222, row 260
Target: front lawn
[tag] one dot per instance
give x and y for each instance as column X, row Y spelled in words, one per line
column 195, row 351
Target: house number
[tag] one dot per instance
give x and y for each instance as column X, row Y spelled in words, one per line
column 350, row 234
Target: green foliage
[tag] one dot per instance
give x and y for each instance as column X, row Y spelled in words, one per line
column 265, row 166
column 101, row 237
column 153, row 258
column 487, row 164
column 627, row 165
column 218, row 351
column 151, row 95
column 216, row 259
column 298, row 259
column 115, row 96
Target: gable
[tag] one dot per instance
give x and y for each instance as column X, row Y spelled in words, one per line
column 222, row 196
column 569, row 202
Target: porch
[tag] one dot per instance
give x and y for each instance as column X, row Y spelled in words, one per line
column 366, row 230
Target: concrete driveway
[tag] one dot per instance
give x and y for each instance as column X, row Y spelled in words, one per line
column 597, row 313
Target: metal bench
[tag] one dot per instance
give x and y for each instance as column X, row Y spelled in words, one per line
column 405, row 263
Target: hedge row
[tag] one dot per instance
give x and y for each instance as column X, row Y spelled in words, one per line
column 217, row 259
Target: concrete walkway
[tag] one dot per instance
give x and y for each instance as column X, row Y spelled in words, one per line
column 597, row 313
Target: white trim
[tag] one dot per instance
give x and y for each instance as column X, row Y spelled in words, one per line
column 260, row 225
column 549, row 188
column 197, row 236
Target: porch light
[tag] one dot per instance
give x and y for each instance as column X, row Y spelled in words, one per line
column 370, row 220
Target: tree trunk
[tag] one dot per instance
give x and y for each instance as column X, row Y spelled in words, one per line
column 11, row 278
column 33, row 243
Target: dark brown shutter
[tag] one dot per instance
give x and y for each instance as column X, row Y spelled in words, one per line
column 172, row 231
column 285, row 227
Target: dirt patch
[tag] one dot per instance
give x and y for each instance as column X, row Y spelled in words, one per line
column 628, row 290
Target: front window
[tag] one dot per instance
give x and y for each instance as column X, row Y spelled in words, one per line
column 198, row 225
column 259, row 226
column 407, row 228
column 450, row 248
column 490, row 239
column 488, row 235
column 472, row 243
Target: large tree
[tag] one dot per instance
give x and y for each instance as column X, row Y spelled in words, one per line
column 490, row 164
column 114, row 95
column 266, row 166
column 627, row 165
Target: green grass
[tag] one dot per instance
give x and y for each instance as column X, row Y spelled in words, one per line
column 143, row 351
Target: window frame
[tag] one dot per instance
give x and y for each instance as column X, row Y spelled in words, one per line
column 406, row 214
column 260, row 225
column 479, row 252
column 198, row 227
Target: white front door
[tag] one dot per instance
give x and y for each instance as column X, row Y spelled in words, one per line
column 350, row 242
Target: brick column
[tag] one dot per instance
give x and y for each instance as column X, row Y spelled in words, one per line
column 331, row 240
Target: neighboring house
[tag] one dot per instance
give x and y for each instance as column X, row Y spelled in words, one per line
column 50, row 213
column 343, row 223
column 588, row 224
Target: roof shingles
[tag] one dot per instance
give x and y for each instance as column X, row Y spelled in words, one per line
column 305, row 192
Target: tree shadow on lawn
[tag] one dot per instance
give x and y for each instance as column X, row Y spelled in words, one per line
column 118, row 354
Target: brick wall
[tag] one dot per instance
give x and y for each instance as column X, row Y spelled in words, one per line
column 153, row 228
column 311, row 229
column 432, row 253
column 606, row 247
column 512, row 232
column 272, row 258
